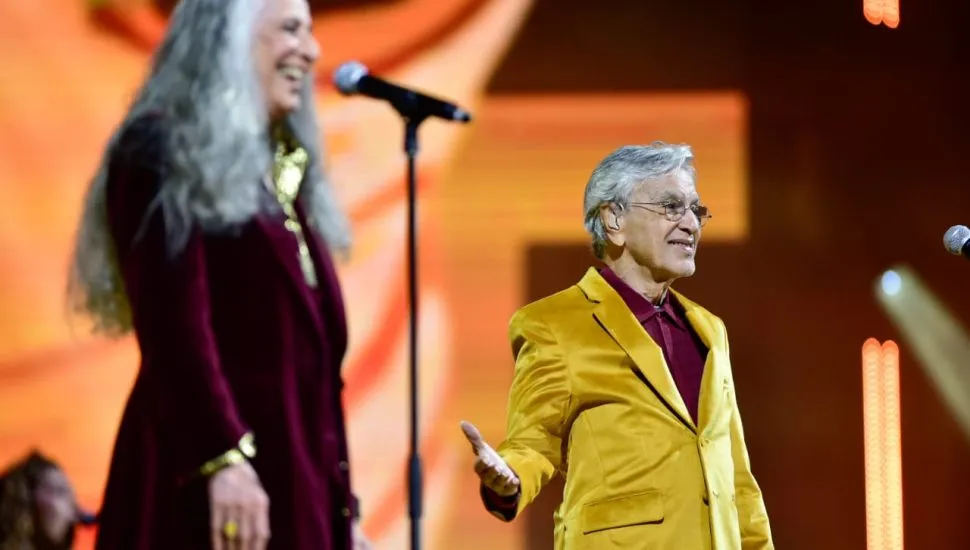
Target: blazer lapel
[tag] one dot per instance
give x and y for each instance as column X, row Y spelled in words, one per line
column 617, row 319
column 713, row 385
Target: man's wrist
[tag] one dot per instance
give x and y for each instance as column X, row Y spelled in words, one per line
column 497, row 500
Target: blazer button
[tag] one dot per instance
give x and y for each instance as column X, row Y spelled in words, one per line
column 344, row 466
column 345, row 512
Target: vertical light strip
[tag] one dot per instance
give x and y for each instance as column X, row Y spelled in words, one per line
column 883, row 445
column 872, row 433
column 890, row 13
column 872, row 10
column 894, row 448
column 885, row 12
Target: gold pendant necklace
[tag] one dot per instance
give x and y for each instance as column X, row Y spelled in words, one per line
column 289, row 167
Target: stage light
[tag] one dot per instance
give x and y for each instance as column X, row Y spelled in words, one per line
column 882, row 445
column 935, row 336
column 891, row 283
column 885, row 12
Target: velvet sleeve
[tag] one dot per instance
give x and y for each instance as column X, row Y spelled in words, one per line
column 169, row 297
column 538, row 401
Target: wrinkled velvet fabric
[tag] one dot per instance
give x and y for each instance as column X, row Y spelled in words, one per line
column 232, row 340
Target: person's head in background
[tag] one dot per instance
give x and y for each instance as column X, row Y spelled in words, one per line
column 38, row 508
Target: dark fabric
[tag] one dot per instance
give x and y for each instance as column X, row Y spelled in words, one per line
column 667, row 324
column 232, row 340
column 499, row 506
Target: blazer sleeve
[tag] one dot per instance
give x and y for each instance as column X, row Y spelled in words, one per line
column 752, row 514
column 537, row 409
column 169, row 299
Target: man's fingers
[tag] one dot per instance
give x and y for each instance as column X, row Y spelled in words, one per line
column 491, row 459
column 503, row 486
column 498, row 480
column 491, row 469
column 489, row 477
column 473, row 435
column 503, row 468
column 496, row 463
column 510, row 485
column 499, row 483
column 486, row 455
column 486, row 468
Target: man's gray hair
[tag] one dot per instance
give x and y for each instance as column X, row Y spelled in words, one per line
column 203, row 82
column 619, row 174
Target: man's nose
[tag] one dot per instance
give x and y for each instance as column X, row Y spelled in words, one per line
column 689, row 222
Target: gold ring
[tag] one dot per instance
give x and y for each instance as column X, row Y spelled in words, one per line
column 230, row 530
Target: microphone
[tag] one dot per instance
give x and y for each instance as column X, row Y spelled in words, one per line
column 957, row 240
column 353, row 78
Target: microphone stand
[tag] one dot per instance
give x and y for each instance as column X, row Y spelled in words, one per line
column 414, row 113
column 412, row 120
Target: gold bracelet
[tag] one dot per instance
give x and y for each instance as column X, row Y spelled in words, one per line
column 244, row 450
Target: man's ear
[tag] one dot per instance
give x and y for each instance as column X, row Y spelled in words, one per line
column 613, row 221
column 610, row 214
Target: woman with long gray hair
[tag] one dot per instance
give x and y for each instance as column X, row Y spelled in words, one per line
column 207, row 232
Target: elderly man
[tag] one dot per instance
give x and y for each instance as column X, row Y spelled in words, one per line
column 624, row 386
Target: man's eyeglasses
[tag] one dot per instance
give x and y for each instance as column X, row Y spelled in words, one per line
column 676, row 210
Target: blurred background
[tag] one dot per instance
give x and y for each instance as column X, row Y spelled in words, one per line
column 830, row 149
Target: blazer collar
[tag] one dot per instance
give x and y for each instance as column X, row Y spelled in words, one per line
column 616, row 319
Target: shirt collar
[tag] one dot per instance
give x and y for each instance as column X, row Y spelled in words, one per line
column 642, row 308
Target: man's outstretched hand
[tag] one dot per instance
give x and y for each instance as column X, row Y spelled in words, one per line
column 490, row 467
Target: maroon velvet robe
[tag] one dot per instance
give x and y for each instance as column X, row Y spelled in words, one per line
column 232, row 340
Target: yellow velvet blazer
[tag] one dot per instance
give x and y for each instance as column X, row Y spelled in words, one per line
column 593, row 400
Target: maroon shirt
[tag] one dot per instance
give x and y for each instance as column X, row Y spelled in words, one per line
column 667, row 324
column 682, row 348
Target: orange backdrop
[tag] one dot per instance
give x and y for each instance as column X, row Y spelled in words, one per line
column 512, row 178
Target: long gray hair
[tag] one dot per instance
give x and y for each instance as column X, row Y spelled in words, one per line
column 204, row 84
